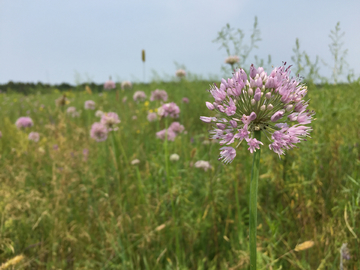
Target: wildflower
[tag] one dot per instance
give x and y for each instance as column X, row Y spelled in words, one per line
column 231, row 60
column 174, row 157
column 139, row 96
column 166, row 132
column 180, row 73
column 109, row 85
column 34, row 136
column 176, row 127
column 185, row 100
column 99, row 132
column 89, row 105
column 159, row 95
column 273, row 104
column 72, row 111
column 151, row 117
column 110, row 119
column 124, row 99
column 135, row 162
column 205, row 165
column 24, row 122
column 99, row 113
column 169, row 109
column 126, row 85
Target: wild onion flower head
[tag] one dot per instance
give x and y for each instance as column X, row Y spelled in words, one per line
column 99, row 132
column 24, row 122
column 34, row 136
column 169, row 109
column 185, row 100
column 139, row 96
column 273, row 104
column 99, row 113
column 126, row 85
column 73, row 112
column 202, row 164
column 174, row 157
column 151, row 117
column 108, row 85
column 135, row 162
column 180, row 73
column 110, row 119
column 233, row 59
column 159, row 95
column 166, row 132
column 176, row 127
column 89, row 105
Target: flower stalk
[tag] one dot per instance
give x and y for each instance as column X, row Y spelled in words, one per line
column 253, row 203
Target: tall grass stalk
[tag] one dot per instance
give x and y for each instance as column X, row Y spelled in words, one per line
column 253, row 203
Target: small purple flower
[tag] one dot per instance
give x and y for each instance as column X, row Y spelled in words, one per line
column 227, row 154
column 276, row 116
column 253, row 144
column 89, row 105
column 176, row 127
column 151, row 117
column 159, row 95
column 139, row 96
column 166, row 132
column 99, row 132
column 34, row 136
column 109, row 85
column 185, row 100
column 209, row 106
column 24, row 122
column 169, row 109
column 110, row 119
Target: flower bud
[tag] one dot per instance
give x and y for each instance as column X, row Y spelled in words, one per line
column 220, row 126
column 259, row 82
column 252, row 116
column 233, row 123
column 253, row 71
column 289, row 107
column 270, row 107
column 210, row 106
column 257, row 95
column 250, row 92
column 262, row 108
column 276, row 116
column 253, row 102
column 268, row 95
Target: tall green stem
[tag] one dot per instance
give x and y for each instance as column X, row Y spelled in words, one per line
column 253, row 203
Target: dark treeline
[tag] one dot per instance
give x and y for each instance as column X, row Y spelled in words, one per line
column 43, row 88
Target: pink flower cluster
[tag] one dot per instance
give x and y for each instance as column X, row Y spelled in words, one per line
column 89, row 105
column 126, row 85
column 34, row 136
column 159, row 95
column 24, row 122
column 99, row 131
column 174, row 129
column 139, row 96
column 180, row 73
column 109, row 85
column 273, row 104
column 169, row 109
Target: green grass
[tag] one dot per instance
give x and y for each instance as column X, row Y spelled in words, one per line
column 62, row 211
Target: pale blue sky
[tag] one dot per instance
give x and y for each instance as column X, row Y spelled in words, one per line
column 51, row 40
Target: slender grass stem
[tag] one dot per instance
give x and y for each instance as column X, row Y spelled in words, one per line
column 253, row 203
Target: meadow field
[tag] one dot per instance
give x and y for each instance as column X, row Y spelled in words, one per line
column 68, row 201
